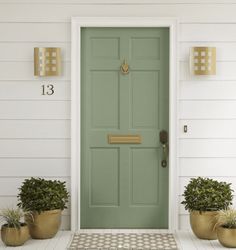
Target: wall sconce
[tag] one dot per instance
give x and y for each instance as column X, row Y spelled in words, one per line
column 47, row 61
column 203, row 60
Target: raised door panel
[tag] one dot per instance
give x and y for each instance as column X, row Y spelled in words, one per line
column 105, row 48
column 145, row 48
column 104, row 99
column 144, row 176
column 104, row 177
column 144, row 102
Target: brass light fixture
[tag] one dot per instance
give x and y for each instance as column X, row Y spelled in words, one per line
column 47, row 61
column 203, row 60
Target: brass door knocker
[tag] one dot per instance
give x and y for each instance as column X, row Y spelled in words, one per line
column 124, row 68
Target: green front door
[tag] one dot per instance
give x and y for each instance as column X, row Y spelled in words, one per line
column 123, row 185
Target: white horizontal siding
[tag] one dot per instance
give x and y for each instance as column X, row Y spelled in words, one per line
column 207, row 90
column 34, row 109
column 224, row 167
column 220, row 32
column 34, row 32
column 44, row 167
column 184, row 222
column 33, row 90
column 207, row 148
column 208, row 129
column 210, row 109
column 36, row 129
column 62, row 12
column 41, row 148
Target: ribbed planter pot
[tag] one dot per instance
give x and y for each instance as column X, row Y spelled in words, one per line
column 44, row 225
column 203, row 224
column 227, row 236
column 13, row 236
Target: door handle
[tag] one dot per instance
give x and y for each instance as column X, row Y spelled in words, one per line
column 163, row 135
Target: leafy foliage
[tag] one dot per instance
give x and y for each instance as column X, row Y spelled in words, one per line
column 12, row 217
column 204, row 194
column 38, row 194
column 226, row 218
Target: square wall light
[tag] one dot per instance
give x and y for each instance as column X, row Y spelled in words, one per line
column 47, row 61
column 203, row 60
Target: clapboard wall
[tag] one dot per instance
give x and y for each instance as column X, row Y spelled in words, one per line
column 35, row 129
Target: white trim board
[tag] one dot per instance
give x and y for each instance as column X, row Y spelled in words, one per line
column 107, row 2
column 77, row 24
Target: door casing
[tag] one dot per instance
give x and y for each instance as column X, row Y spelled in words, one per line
column 77, row 24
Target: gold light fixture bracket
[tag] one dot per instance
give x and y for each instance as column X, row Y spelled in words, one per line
column 47, row 61
column 203, row 60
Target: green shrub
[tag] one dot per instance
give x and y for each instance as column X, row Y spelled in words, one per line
column 38, row 194
column 204, row 194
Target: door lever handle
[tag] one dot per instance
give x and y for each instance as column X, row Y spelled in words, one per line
column 164, row 143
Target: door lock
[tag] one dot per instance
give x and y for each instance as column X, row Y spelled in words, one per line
column 164, row 143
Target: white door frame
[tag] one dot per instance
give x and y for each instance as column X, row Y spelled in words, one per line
column 77, row 24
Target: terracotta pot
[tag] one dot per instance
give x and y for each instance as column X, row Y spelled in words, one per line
column 44, row 225
column 203, row 224
column 227, row 236
column 14, row 236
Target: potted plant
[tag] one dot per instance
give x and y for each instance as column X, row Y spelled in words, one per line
column 203, row 198
column 45, row 199
column 14, row 232
column 226, row 227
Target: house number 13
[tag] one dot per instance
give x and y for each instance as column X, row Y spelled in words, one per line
column 48, row 89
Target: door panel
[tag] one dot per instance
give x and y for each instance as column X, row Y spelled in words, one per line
column 105, row 99
column 124, row 185
column 145, row 48
column 144, row 99
column 104, row 177
column 105, row 48
column 144, row 178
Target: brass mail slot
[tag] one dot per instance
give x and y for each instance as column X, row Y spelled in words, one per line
column 124, row 139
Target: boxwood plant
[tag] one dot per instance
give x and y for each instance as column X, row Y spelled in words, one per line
column 38, row 195
column 204, row 194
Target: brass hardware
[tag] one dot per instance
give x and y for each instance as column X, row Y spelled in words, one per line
column 203, row 60
column 164, row 143
column 47, row 61
column 124, row 68
column 124, row 139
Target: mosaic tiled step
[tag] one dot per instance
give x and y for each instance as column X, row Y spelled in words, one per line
column 123, row 241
